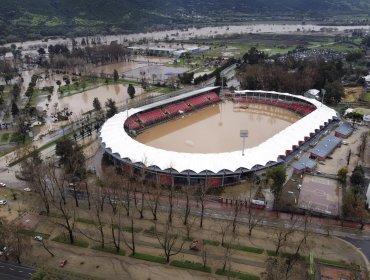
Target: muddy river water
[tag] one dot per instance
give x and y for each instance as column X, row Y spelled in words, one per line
column 216, row 128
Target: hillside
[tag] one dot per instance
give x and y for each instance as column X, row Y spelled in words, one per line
column 27, row 19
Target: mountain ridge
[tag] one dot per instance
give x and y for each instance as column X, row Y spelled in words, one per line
column 25, row 19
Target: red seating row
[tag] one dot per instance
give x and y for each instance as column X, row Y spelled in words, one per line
column 151, row 116
column 174, row 109
column 136, row 121
column 296, row 107
column 203, row 100
column 132, row 123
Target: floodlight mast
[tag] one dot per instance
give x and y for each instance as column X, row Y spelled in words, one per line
column 243, row 134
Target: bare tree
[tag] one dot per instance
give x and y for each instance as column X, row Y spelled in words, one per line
column 13, row 242
column 282, row 234
column 229, row 237
column 202, row 196
column 168, row 239
column 189, row 226
column 253, row 219
column 237, row 208
column 224, row 228
column 130, row 241
column 67, row 220
column 153, row 200
column 204, row 255
column 187, row 205
column 171, row 192
column 116, row 226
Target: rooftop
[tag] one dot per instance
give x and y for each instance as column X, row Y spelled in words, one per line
column 326, row 146
column 303, row 163
column 345, row 129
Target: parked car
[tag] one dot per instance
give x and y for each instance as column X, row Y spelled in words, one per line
column 2, row 185
column 27, row 189
column 38, row 238
column 3, row 202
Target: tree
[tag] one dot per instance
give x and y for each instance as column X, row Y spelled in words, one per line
column 96, row 104
column 2, row 88
column 41, row 51
column 167, row 239
column 58, row 82
column 202, row 197
column 278, row 176
column 14, row 109
column 131, row 91
column 115, row 75
column 111, row 108
column 68, row 217
column 254, row 56
column 342, row 174
column 334, row 92
column 358, row 176
column 153, row 200
column 220, row 81
column 16, row 91
column 72, row 157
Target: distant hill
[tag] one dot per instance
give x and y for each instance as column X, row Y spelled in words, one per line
column 27, row 19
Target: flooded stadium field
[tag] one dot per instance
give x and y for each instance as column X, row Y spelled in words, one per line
column 216, row 128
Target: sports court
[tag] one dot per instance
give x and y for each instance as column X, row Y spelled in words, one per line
column 319, row 195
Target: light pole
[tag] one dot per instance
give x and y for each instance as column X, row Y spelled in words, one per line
column 243, row 134
column 323, row 92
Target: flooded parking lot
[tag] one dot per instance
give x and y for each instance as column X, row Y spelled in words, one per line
column 216, row 128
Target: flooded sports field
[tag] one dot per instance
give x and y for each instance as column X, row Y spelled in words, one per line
column 216, row 129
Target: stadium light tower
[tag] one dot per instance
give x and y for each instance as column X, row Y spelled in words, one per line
column 323, row 92
column 243, row 134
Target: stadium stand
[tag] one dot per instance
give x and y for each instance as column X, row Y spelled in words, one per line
column 149, row 117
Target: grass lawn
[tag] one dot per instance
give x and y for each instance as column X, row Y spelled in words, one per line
column 149, row 258
column 85, row 221
column 14, row 137
column 245, row 248
column 367, row 96
column 191, row 265
column 211, row 242
column 340, row 264
column 34, row 233
column 237, row 275
column 110, row 250
column 77, row 242
column 5, row 137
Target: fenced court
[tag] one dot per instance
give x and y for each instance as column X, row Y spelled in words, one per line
column 320, row 194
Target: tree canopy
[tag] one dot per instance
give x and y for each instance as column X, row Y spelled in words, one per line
column 131, row 91
column 110, row 104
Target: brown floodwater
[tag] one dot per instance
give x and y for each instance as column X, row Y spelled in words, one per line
column 83, row 102
column 216, row 128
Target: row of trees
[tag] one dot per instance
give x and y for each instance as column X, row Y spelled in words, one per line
column 60, row 57
column 292, row 75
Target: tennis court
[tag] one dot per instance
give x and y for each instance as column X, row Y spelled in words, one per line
column 319, row 195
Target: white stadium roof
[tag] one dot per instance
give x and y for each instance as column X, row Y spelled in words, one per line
column 115, row 138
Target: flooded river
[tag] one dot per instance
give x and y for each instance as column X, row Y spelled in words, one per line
column 216, row 128
column 208, row 32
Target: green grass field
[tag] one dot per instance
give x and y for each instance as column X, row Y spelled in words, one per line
column 367, row 96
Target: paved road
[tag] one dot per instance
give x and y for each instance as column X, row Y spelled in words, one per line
column 361, row 244
column 11, row 271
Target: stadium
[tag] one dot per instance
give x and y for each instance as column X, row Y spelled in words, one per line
column 212, row 169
